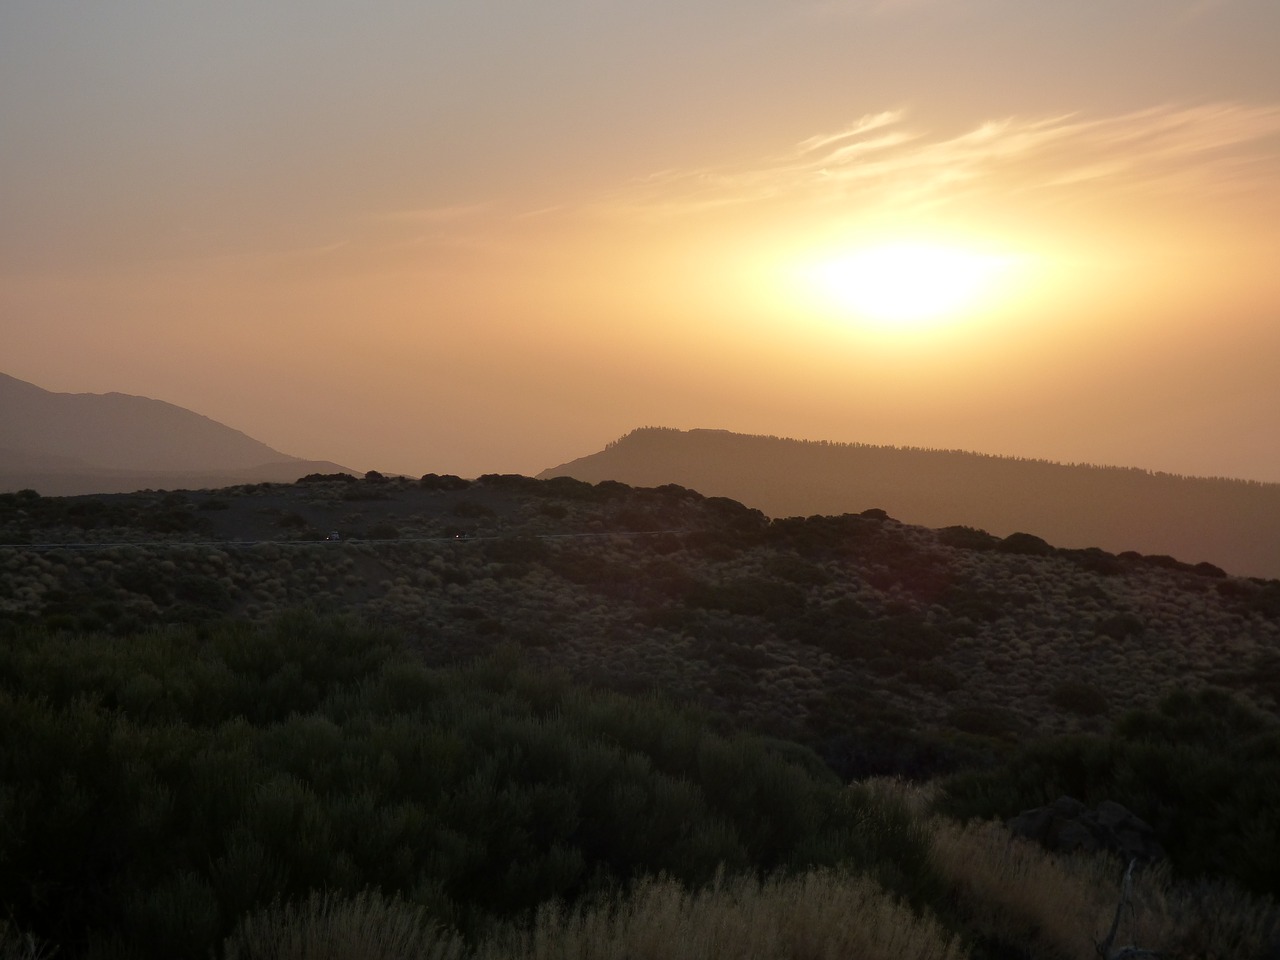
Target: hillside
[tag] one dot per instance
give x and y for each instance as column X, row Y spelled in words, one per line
column 231, row 726
column 946, row 641
column 1231, row 523
column 72, row 443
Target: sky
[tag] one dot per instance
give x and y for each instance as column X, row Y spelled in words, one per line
column 489, row 236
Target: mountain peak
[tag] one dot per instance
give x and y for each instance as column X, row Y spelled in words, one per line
column 96, row 442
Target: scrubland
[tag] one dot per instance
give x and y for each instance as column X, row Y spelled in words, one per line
column 548, row 719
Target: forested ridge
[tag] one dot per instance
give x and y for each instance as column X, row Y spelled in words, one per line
column 1232, row 523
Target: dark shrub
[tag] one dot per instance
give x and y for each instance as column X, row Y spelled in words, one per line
column 517, row 550
column 967, row 538
column 435, row 481
column 1209, row 570
column 1203, row 769
column 510, row 481
column 1095, row 560
column 1026, row 544
column 471, row 509
column 1122, row 625
column 750, row 596
column 569, row 488
column 986, row 720
column 1080, row 698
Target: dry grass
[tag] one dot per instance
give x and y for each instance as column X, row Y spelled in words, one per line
column 1062, row 907
column 1215, row 920
column 821, row 915
column 327, row 927
column 1001, row 890
column 1012, row 890
column 15, row 945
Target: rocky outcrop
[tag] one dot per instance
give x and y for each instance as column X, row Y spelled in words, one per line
column 1068, row 826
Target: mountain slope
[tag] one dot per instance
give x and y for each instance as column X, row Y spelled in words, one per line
column 66, row 443
column 1234, row 524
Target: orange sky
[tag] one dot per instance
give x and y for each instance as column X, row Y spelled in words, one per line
column 487, row 236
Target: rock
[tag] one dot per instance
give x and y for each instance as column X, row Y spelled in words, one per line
column 1068, row 807
column 1068, row 826
column 1112, row 814
column 1072, row 836
column 1032, row 824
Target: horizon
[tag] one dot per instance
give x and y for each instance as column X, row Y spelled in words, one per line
column 485, row 239
column 813, row 441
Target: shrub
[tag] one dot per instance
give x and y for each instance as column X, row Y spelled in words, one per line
column 1079, row 697
column 967, row 538
column 1203, row 769
column 157, row 787
column 434, row 481
column 1026, row 544
column 985, row 721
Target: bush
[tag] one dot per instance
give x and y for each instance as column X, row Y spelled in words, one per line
column 1080, row 698
column 1203, row 769
column 159, row 787
column 1026, row 544
column 434, row 481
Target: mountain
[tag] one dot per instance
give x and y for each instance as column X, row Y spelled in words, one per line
column 1234, row 524
column 74, row 443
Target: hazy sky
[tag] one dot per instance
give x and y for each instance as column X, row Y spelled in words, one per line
column 474, row 236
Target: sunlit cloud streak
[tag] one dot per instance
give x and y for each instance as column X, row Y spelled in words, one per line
column 446, row 214
column 1179, row 12
column 833, row 9
column 883, row 161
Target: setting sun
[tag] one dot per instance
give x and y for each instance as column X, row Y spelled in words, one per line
column 909, row 285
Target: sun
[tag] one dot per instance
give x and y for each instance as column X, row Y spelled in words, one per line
column 909, row 285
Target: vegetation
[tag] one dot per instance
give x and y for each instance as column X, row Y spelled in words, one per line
column 520, row 718
column 161, row 786
column 1203, row 769
column 946, row 646
column 1235, row 523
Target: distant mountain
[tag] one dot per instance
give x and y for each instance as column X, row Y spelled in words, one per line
column 1234, row 524
column 73, row 443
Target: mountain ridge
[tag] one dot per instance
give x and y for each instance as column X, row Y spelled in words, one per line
column 78, row 443
column 1232, row 523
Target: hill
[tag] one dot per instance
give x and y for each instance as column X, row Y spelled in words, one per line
column 1234, row 524
column 945, row 642
column 73, row 443
column 487, row 696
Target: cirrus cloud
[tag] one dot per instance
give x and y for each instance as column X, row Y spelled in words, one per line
column 884, row 161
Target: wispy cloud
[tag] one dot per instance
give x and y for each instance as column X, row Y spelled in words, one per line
column 446, row 214
column 881, row 159
column 843, row 9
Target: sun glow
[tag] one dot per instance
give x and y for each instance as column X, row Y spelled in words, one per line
column 910, row 285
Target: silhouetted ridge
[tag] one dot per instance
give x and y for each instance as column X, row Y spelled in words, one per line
column 68, row 443
column 1233, row 523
